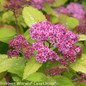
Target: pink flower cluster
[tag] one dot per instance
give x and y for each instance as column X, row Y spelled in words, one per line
column 81, row 29
column 74, row 8
column 40, row 31
column 54, row 71
column 15, row 4
column 59, row 37
column 17, row 43
column 44, row 53
column 29, row 53
column 82, row 79
column 39, row 3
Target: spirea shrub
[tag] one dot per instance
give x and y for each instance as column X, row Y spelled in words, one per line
column 42, row 32
column 42, row 51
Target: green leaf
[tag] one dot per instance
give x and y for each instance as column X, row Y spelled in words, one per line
column 16, row 78
column 41, row 77
column 3, row 48
column 28, row 37
column 68, row 22
column 8, row 17
column 2, row 75
column 72, row 22
column 50, row 79
column 47, row 65
column 59, row 3
column 1, row 1
column 36, row 77
column 6, row 34
column 26, row 33
column 4, row 63
column 3, row 82
column 32, row 15
column 82, row 37
column 31, row 67
column 3, row 57
column 62, row 19
column 84, row 4
column 81, row 84
column 49, row 10
column 13, row 65
column 17, row 66
column 80, row 65
column 53, row 19
column 62, row 81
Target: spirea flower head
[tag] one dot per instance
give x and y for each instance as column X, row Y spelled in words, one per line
column 74, row 8
column 44, row 53
column 61, row 38
column 82, row 78
column 39, row 3
column 54, row 71
column 18, row 42
column 15, row 4
column 13, row 53
column 81, row 29
column 29, row 53
column 40, row 31
column 65, row 44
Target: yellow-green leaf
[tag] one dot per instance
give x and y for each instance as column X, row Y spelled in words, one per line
column 59, row 3
column 32, row 15
column 6, row 34
column 80, row 65
column 13, row 65
column 82, row 37
column 63, row 81
column 49, row 10
column 31, row 67
column 36, row 77
column 72, row 22
column 17, row 66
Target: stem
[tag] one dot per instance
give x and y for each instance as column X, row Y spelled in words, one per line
column 44, row 43
column 21, row 51
column 49, row 44
column 16, row 23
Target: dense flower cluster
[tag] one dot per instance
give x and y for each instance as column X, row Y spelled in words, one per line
column 74, row 8
column 29, row 53
column 39, row 3
column 13, row 53
column 44, row 31
column 44, row 53
column 60, row 37
column 15, row 4
column 81, row 29
column 54, row 71
column 40, row 30
column 82, row 79
column 17, row 43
